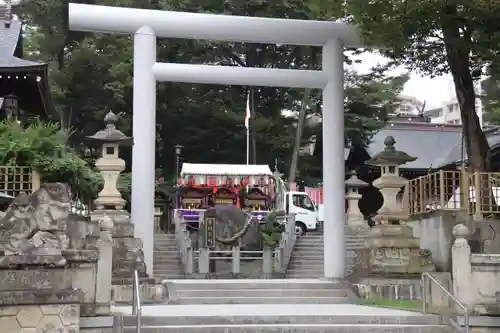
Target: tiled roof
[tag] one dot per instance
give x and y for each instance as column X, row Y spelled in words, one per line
column 11, row 61
column 9, row 37
column 8, row 43
column 454, row 155
column 434, row 146
column 430, row 143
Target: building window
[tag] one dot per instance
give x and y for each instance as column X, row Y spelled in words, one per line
column 404, row 108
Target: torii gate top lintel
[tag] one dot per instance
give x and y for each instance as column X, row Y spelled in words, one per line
column 229, row 28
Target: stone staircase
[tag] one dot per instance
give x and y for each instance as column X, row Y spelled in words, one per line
column 166, row 261
column 270, row 306
column 248, row 291
column 307, row 256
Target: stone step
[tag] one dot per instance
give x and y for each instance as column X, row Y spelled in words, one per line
column 249, row 284
column 261, row 300
column 314, row 273
column 172, row 246
column 168, row 271
column 163, row 271
column 308, row 275
column 170, row 268
column 173, row 256
column 285, row 328
column 305, row 259
column 298, row 268
column 167, row 257
column 291, row 319
column 167, row 262
column 299, row 274
column 262, row 293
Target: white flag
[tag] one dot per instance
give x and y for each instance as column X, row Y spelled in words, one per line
column 247, row 112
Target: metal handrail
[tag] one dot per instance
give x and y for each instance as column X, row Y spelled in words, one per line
column 425, row 290
column 136, row 300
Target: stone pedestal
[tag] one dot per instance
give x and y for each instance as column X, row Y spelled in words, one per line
column 38, row 294
column 394, row 250
column 127, row 250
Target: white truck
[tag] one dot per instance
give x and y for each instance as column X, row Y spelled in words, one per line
column 223, row 183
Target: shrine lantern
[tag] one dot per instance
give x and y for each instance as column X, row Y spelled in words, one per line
column 212, row 181
column 229, row 182
column 179, row 181
column 191, row 181
column 244, row 182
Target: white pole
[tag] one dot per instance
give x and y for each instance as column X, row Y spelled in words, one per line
column 144, row 132
column 248, row 146
column 247, row 125
column 333, row 161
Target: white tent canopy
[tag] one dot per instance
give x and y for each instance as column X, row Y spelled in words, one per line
column 225, row 169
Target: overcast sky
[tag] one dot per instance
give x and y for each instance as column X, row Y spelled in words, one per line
column 433, row 91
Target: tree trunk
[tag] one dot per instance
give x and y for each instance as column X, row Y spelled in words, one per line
column 298, row 137
column 458, row 49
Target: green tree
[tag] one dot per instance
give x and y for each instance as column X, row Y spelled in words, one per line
column 43, row 147
column 435, row 37
column 369, row 99
column 92, row 74
column 491, row 97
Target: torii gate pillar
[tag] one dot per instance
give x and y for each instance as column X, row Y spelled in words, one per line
column 147, row 25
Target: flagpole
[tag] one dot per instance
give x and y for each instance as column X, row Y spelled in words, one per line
column 248, row 145
column 247, row 126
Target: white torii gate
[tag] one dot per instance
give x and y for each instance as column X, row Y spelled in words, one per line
column 147, row 25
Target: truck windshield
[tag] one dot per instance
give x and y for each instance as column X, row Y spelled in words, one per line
column 303, row 201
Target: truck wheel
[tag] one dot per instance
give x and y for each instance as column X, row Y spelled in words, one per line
column 300, row 229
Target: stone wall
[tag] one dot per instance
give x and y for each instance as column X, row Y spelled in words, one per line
column 56, row 318
column 387, row 288
column 485, row 270
column 435, row 234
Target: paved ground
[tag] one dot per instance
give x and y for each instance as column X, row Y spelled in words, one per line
column 268, row 309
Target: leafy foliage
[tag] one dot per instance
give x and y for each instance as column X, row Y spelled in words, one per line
column 43, row 147
column 435, row 37
column 271, row 231
column 92, row 74
column 491, row 97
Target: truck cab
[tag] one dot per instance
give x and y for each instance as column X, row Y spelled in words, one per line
column 306, row 212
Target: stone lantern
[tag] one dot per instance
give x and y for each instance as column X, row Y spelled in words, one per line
column 354, row 217
column 110, row 164
column 390, row 183
column 393, row 248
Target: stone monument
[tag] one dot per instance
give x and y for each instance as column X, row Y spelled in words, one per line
column 393, row 248
column 127, row 250
column 45, row 285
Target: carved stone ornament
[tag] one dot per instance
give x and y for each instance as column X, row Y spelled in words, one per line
column 390, row 156
column 36, row 224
